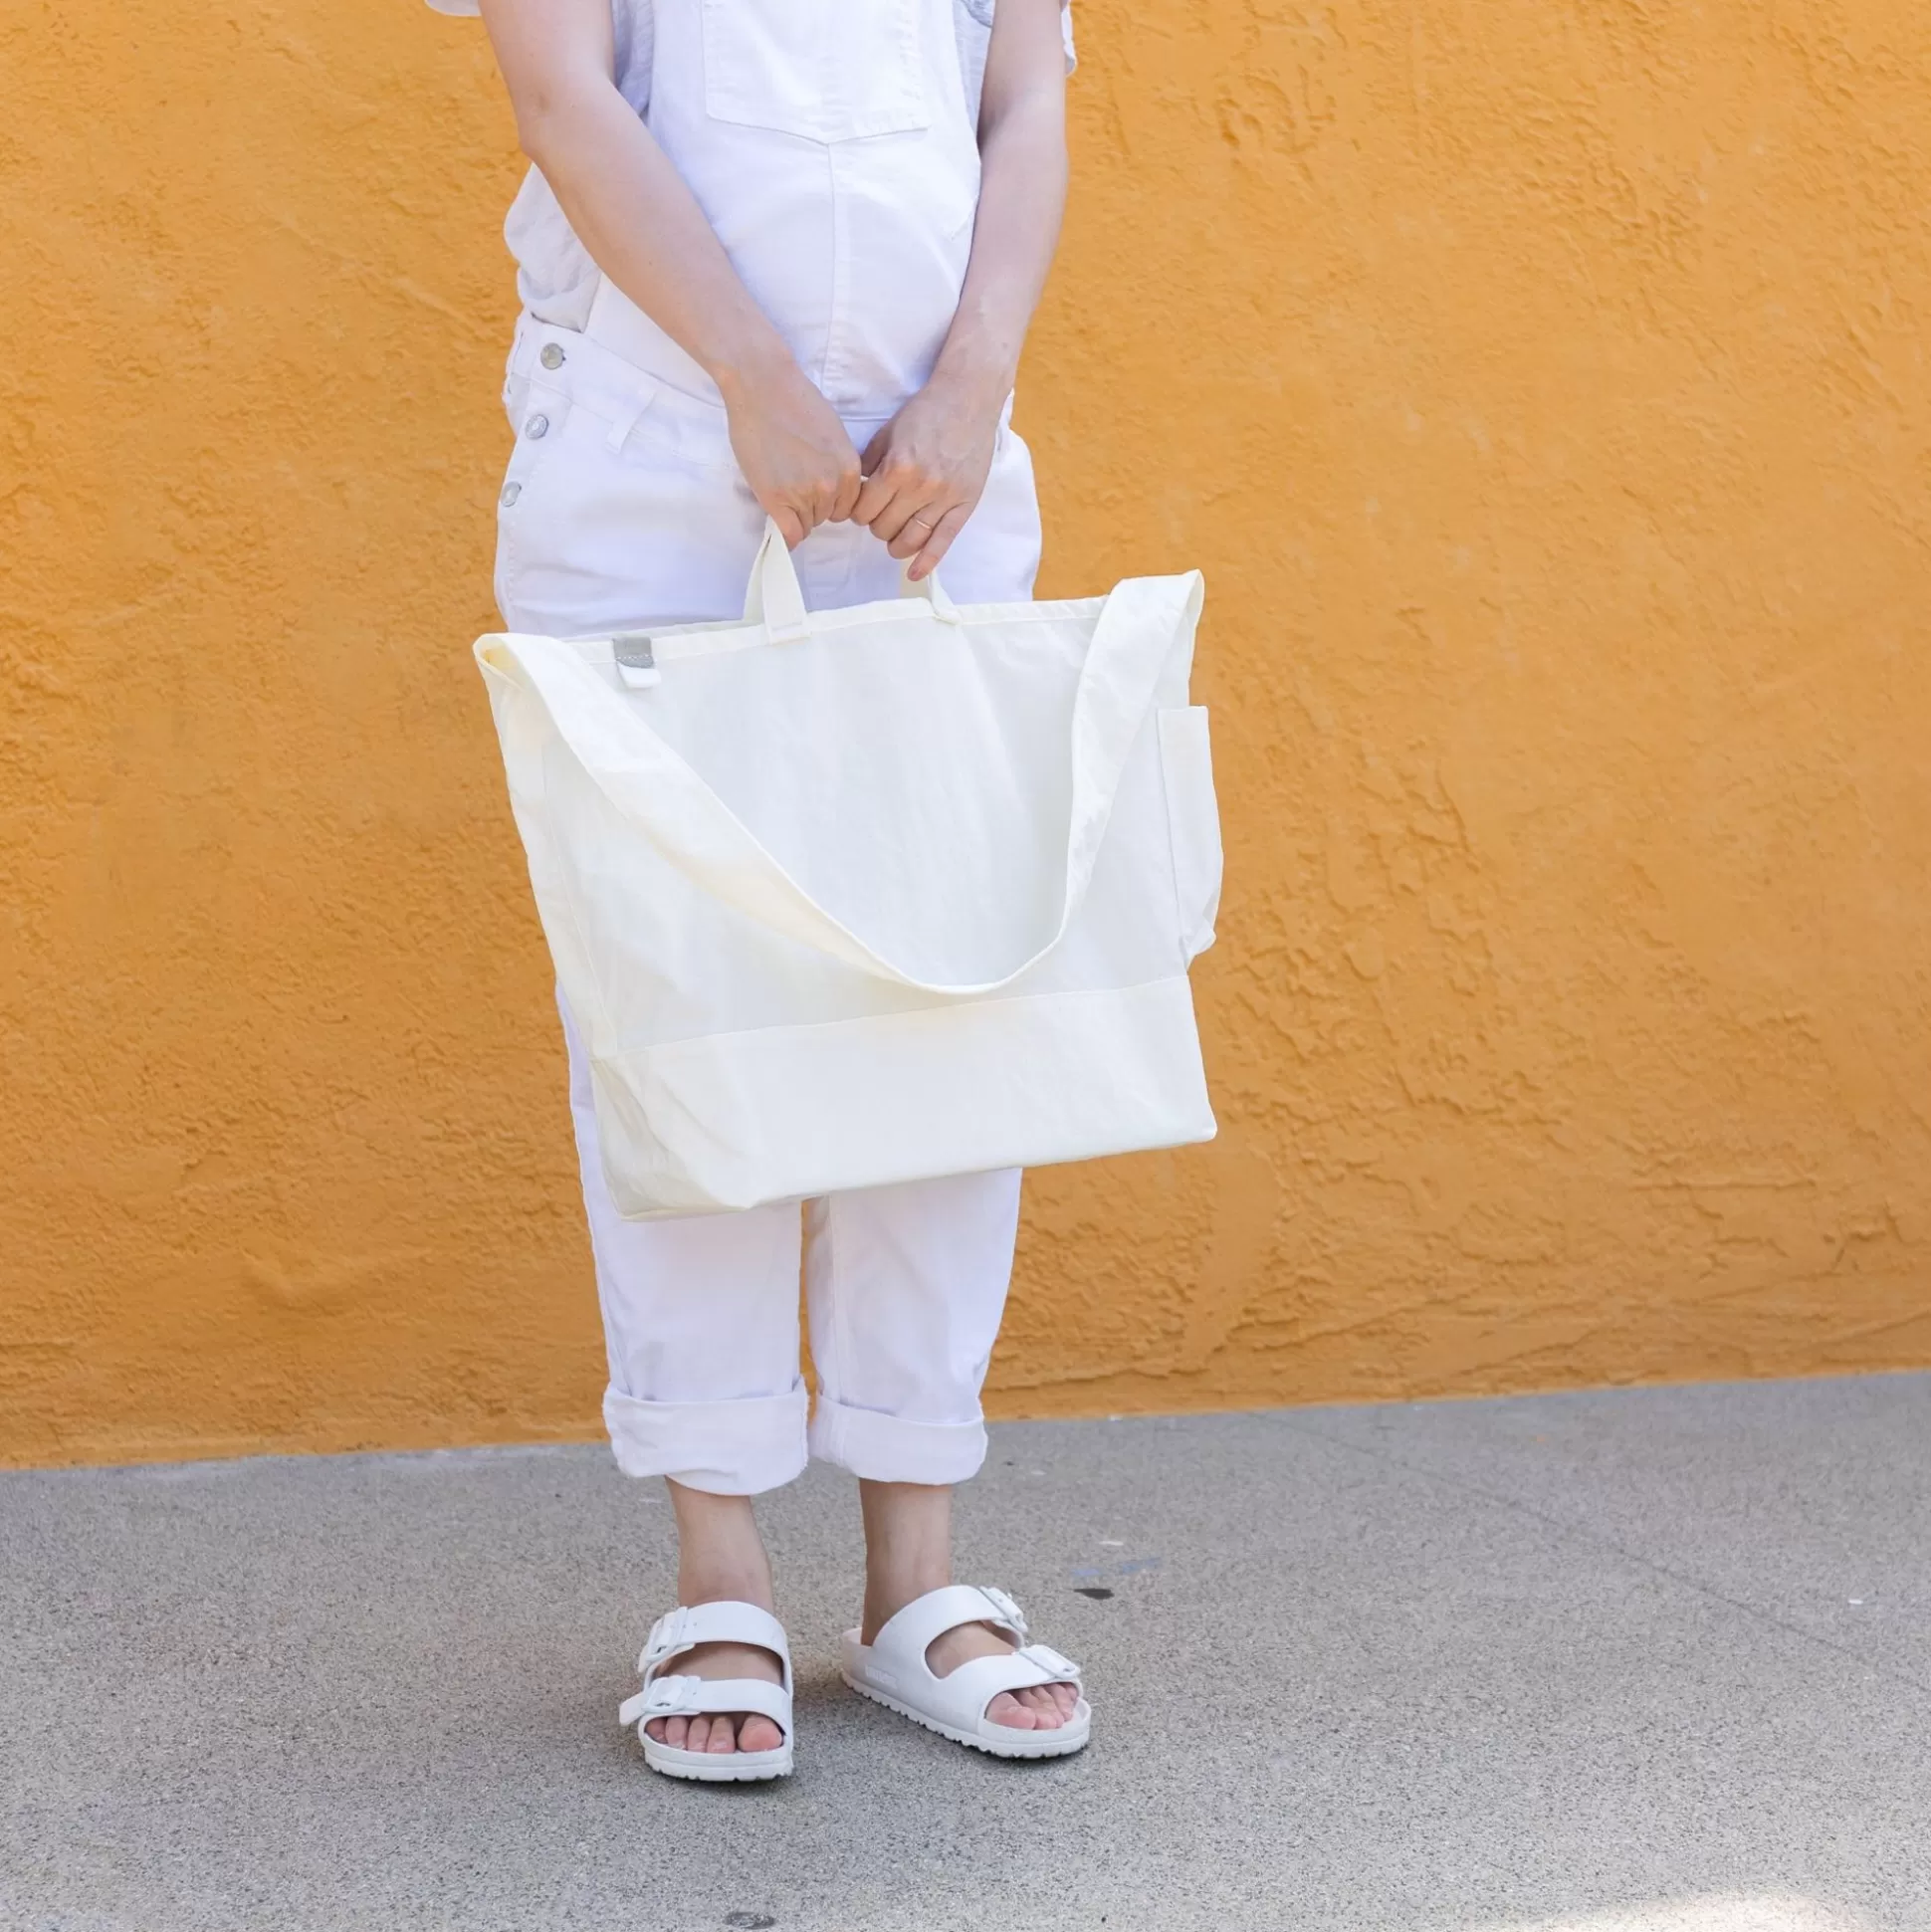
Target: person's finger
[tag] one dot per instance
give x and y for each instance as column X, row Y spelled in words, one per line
column 822, row 494
column 908, row 522
column 790, row 524
column 898, row 487
column 899, row 490
column 874, row 491
column 916, row 529
column 850, row 481
column 874, row 494
column 939, row 542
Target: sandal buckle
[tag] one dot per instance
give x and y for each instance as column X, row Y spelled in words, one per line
column 1048, row 1658
column 1009, row 1610
column 666, row 1635
column 673, row 1697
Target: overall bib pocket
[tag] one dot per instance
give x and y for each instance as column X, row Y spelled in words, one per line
column 823, row 70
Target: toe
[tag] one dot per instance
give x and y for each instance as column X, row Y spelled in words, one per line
column 654, row 1730
column 1046, row 1714
column 1066, row 1696
column 1008, row 1710
column 758, row 1734
column 724, row 1737
column 676, row 1731
column 698, row 1737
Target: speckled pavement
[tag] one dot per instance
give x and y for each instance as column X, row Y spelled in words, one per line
column 1637, row 1661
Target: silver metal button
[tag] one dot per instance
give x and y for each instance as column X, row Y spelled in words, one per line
column 511, row 492
column 536, row 426
column 551, row 357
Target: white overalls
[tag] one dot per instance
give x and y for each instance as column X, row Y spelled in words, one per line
column 831, row 145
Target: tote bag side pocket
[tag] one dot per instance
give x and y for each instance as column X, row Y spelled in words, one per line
column 1192, row 824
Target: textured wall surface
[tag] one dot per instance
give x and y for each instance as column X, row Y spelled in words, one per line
column 1542, row 387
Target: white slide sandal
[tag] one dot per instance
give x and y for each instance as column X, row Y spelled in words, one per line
column 893, row 1671
column 665, row 1695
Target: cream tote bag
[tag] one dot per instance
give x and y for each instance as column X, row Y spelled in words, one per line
column 848, row 897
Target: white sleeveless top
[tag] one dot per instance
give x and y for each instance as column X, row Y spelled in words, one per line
column 555, row 277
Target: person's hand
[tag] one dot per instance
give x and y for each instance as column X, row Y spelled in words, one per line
column 925, row 470
column 793, row 450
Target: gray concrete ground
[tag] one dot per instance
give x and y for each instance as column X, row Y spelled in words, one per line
column 1641, row 1661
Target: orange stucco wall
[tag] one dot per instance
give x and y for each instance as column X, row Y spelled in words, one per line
column 1542, row 389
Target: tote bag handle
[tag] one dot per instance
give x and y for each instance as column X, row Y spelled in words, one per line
column 655, row 790
column 774, row 599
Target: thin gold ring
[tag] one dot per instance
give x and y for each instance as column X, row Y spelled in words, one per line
column 921, row 522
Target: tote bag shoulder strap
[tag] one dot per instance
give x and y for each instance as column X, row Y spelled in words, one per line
column 658, row 791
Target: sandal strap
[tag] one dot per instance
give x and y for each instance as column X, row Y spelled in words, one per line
column 973, row 1686
column 708, row 1697
column 904, row 1638
column 678, row 1630
column 1064, row 1669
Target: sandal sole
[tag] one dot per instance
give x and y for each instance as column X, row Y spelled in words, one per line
column 1037, row 1744
column 690, row 1765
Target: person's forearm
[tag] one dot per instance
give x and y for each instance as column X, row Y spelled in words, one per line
column 1022, row 197
column 643, row 228
column 926, row 470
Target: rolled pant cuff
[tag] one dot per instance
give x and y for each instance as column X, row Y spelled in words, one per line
column 730, row 1448
column 885, row 1448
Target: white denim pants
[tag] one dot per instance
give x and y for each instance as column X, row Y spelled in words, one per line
column 624, row 507
column 905, row 1287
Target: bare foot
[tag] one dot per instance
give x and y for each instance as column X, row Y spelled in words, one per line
column 908, row 1552
column 719, row 1559
column 1040, row 1707
column 727, row 1732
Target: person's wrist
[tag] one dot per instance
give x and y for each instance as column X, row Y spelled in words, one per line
column 976, row 374
column 748, row 371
